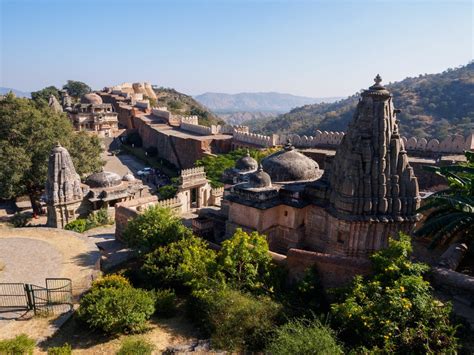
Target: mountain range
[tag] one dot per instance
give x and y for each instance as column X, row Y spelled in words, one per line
column 432, row 105
column 256, row 102
column 18, row 93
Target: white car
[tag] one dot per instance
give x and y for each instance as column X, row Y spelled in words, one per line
column 144, row 171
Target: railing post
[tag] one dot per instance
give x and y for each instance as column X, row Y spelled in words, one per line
column 30, row 297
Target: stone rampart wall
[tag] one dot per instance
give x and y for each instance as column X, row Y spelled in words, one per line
column 259, row 140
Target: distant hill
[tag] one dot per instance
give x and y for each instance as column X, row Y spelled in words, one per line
column 256, row 102
column 238, row 118
column 17, row 93
column 432, row 105
column 179, row 103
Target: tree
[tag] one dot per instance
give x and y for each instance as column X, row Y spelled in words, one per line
column 44, row 94
column 28, row 132
column 450, row 212
column 155, row 227
column 394, row 310
column 244, row 261
column 77, row 89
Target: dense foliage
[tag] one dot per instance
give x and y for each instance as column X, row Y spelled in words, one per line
column 93, row 220
column 215, row 165
column 154, row 228
column 181, row 104
column 450, row 212
column 432, row 105
column 302, row 336
column 113, row 306
column 19, row 345
column 28, row 132
column 65, row 349
column 394, row 310
column 42, row 96
column 165, row 303
column 76, row 89
column 235, row 320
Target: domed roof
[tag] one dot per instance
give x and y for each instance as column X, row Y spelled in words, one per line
column 290, row 165
column 58, row 148
column 103, row 179
column 91, row 99
column 246, row 163
column 259, row 179
column 128, row 177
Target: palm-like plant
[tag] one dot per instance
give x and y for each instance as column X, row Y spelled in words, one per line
column 450, row 212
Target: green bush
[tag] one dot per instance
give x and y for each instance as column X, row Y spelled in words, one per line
column 167, row 191
column 111, row 281
column 188, row 262
column 235, row 321
column 116, row 310
column 155, row 227
column 19, row 345
column 65, row 349
column 302, row 336
column 78, row 225
column 165, row 303
column 19, row 220
column 394, row 311
column 136, row 346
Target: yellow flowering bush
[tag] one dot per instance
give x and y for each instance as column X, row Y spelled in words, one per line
column 394, row 310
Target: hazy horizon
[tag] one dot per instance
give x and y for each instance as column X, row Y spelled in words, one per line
column 303, row 48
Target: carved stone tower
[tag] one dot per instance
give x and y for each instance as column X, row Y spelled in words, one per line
column 369, row 190
column 63, row 188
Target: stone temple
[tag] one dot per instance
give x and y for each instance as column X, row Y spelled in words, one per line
column 68, row 198
column 366, row 193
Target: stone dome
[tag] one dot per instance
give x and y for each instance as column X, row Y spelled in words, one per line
column 290, row 165
column 128, row 177
column 246, row 163
column 91, row 99
column 259, row 179
column 103, row 179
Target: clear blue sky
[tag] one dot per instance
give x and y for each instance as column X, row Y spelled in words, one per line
column 313, row 48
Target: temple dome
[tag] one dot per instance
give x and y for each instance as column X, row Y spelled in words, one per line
column 91, row 99
column 103, row 179
column 259, row 179
column 290, row 165
column 246, row 163
column 128, row 177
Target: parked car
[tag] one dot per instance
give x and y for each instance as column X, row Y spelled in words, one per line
column 145, row 171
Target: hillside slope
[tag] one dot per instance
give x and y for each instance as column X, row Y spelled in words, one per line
column 179, row 103
column 18, row 93
column 256, row 102
column 433, row 105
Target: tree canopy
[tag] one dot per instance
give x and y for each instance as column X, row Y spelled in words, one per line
column 77, row 88
column 42, row 96
column 28, row 132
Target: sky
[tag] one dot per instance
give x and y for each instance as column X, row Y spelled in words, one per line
column 311, row 48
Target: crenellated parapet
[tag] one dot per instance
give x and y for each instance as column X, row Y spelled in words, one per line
column 256, row 139
column 455, row 144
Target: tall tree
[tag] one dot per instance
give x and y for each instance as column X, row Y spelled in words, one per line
column 44, row 94
column 77, row 88
column 28, row 131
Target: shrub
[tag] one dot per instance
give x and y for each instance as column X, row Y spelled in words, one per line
column 136, row 346
column 302, row 336
column 116, row 310
column 165, row 303
column 65, row 349
column 235, row 321
column 167, row 191
column 187, row 262
column 394, row 311
column 244, row 261
column 111, row 281
column 19, row 345
column 78, row 225
column 155, row 227
column 19, row 220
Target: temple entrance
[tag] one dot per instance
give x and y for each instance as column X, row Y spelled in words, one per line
column 194, row 198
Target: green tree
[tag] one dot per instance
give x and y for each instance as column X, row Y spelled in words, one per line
column 28, row 132
column 244, row 261
column 394, row 310
column 187, row 262
column 77, row 89
column 155, row 227
column 450, row 212
column 44, row 94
